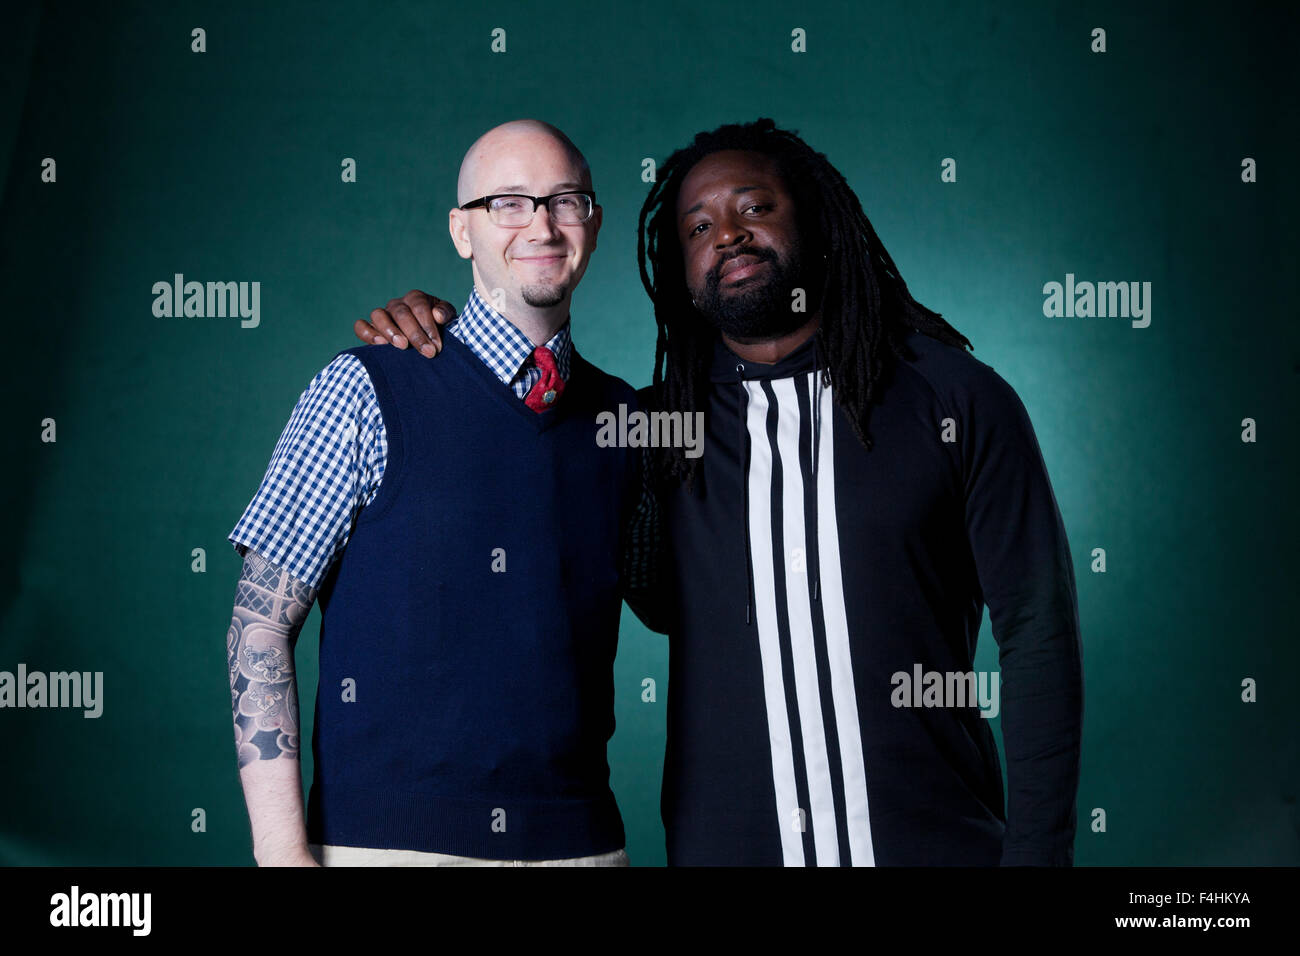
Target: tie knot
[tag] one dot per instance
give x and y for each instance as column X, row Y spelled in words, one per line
column 544, row 358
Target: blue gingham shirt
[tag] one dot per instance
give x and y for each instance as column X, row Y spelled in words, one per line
column 330, row 459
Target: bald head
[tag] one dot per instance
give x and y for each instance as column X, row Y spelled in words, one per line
column 527, row 272
column 497, row 159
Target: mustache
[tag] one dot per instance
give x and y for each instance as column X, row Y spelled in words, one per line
column 760, row 253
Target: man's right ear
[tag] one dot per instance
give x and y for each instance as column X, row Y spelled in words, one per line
column 458, row 226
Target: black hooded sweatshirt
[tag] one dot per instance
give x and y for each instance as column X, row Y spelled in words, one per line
column 823, row 604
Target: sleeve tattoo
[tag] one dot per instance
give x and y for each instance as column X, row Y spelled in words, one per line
column 270, row 608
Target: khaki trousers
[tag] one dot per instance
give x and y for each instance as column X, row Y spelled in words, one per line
column 364, row 856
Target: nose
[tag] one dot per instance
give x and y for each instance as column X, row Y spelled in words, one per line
column 543, row 226
column 730, row 229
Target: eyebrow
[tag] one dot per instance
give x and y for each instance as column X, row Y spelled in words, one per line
column 517, row 188
column 735, row 192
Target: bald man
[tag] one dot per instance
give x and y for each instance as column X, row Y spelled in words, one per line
column 463, row 709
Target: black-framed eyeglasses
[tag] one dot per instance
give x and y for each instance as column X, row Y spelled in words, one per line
column 566, row 208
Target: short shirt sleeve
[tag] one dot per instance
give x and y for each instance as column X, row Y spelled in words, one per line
column 326, row 467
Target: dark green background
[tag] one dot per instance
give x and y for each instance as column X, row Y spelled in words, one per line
column 225, row 166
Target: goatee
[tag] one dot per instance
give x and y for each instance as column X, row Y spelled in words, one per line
column 543, row 296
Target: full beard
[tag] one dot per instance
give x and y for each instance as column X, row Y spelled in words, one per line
column 761, row 309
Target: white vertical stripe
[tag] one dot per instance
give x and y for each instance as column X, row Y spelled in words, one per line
column 837, row 645
column 799, row 613
column 760, row 536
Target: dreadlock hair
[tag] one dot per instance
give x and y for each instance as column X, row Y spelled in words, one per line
column 866, row 309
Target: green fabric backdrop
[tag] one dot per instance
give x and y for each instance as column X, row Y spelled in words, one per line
column 225, row 166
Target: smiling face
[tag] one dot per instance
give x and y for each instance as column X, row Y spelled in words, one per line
column 536, row 266
column 739, row 233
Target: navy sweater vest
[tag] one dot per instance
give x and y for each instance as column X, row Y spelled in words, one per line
column 469, row 628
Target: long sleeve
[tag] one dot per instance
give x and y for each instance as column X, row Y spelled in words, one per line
column 647, row 585
column 1027, row 579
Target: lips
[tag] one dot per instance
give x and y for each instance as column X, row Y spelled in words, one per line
column 741, row 267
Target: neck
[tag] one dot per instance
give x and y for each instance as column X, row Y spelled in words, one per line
column 538, row 324
column 771, row 351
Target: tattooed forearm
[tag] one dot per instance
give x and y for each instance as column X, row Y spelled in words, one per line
column 270, row 607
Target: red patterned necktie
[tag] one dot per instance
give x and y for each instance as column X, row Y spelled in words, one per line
column 547, row 390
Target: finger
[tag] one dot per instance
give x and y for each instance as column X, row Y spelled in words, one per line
column 415, row 329
column 422, row 307
column 384, row 325
column 428, row 307
column 443, row 312
column 366, row 333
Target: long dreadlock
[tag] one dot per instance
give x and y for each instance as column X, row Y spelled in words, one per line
column 866, row 309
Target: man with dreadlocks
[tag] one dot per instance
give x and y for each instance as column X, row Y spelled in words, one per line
column 867, row 488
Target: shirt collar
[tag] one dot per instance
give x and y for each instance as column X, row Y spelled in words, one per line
column 500, row 345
